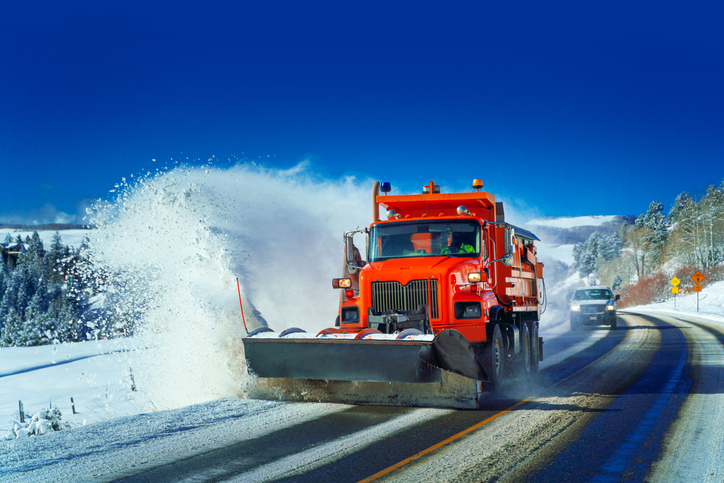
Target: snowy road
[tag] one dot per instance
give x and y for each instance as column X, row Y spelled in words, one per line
column 643, row 402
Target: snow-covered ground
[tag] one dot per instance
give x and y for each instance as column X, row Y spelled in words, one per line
column 94, row 374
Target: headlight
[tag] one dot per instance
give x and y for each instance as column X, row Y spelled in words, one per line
column 474, row 277
column 575, row 308
column 341, row 283
column 610, row 307
column 468, row 310
column 350, row 315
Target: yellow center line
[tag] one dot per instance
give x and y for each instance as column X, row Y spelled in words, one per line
column 471, row 428
column 443, row 443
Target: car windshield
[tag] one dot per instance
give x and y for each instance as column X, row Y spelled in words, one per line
column 424, row 239
column 593, row 294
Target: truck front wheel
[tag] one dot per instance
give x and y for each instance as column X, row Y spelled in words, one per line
column 494, row 360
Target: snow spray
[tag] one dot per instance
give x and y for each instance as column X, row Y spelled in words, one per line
column 171, row 245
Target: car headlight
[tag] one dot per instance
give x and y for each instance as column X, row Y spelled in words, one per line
column 610, row 307
column 575, row 308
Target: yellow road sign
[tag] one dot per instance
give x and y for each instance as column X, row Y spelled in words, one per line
column 674, row 289
column 674, row 281
column 697, row 288
column 698, row 278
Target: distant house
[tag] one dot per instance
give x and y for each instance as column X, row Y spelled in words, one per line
column 11, row 252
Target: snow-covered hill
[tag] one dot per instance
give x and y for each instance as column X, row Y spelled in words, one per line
column 71, row 237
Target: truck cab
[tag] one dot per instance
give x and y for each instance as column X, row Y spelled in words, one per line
column 434, row 264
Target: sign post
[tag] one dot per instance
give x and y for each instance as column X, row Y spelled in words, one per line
column 675, row 289
column 697, row 278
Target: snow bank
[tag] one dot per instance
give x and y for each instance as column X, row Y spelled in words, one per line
column 41, row 423
column 711, row 304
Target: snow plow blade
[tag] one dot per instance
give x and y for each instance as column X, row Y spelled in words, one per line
column 452, row 352
column 340, row 359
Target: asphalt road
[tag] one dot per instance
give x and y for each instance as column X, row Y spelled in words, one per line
column 641, row 403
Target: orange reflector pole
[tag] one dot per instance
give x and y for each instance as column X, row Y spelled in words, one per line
column 238, row 287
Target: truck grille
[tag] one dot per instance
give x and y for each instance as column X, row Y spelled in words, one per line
column 395, row 297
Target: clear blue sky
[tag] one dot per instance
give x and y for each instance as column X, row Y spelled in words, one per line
column 575, row 108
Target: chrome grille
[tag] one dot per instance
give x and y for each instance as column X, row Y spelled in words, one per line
column 592, row 309
column 393, row 296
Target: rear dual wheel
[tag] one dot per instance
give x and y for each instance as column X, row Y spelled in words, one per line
column 524, row 358
column 534, row 348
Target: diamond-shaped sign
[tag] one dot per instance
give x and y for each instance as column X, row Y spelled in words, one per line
column 674, row 281
column 698, row 278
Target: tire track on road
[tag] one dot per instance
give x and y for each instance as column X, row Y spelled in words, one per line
column 693, row 444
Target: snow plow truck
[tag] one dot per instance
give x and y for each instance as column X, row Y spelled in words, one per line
column 445, row 285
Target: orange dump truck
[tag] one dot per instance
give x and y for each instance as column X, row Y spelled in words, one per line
column 447, row 285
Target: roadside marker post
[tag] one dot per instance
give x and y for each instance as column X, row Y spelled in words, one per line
column 697, row 278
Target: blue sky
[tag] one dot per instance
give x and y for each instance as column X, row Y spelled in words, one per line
column 568, row 107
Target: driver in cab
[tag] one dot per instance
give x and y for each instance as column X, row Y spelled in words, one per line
column 458, row 245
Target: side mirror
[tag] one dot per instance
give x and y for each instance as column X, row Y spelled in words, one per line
column 507, row 260
column 348, row 250
column 618, row 297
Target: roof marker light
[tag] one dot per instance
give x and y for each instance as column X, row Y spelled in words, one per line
column 462, row 211
column 386, row 187
column 431, row 188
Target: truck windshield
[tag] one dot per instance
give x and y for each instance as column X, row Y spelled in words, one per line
column 424, row 239
column 593, row 294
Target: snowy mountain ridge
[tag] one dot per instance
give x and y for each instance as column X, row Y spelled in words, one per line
column 569, row 230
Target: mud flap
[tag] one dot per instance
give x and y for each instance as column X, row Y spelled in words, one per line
column 339, row 360
column 452, row 352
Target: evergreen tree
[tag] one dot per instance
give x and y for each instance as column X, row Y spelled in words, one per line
column 597, row 250
column 648, row 238
column 680, row 207
column 54, row 259
column 617, row 283
column 37, row 305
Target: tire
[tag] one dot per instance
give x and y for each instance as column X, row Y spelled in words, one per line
column 524, row 358
column 575, row 323
column 534, row 348
column 613, row 324
column 494, row 360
